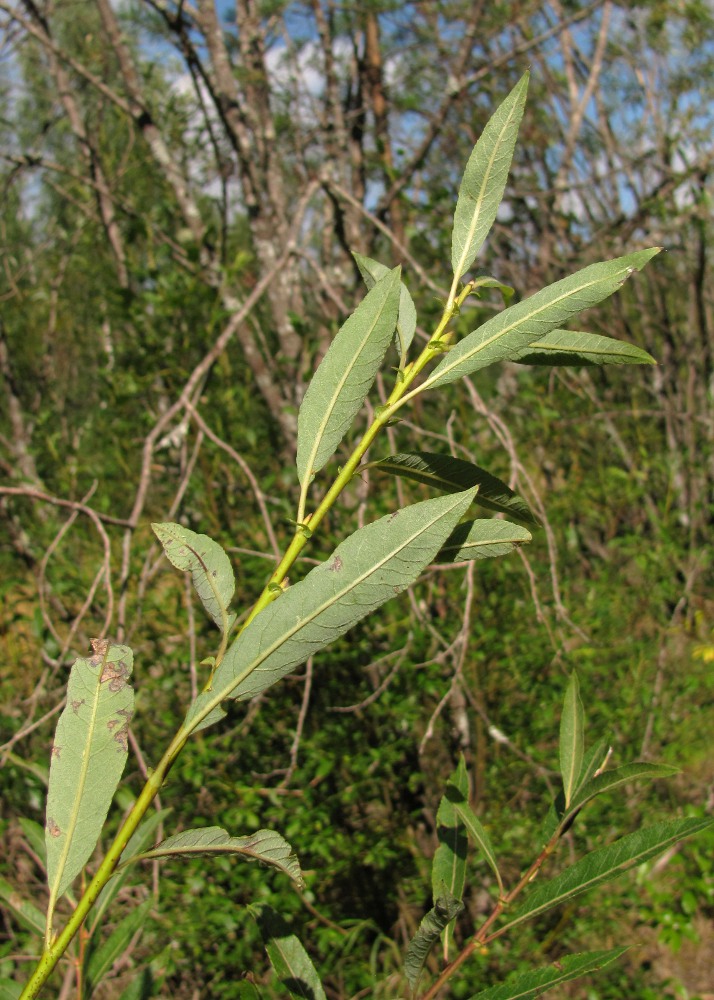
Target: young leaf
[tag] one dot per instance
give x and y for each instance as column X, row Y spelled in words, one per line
column 607, row 863
column 25, row 912
column 209, row 566
column 532, row 985
column 287, row 956
column 479, row 836
column 101, row 960
column 520, row 325
column 484, row 538
column 593, row 759
column 452, row 475
column 265, row 846
column 341, row 383
column 484, row 179
column 448, row 869
column 572, row 730
column 372, row 271
column 88, row 757
column 609, row 780
column 445, row 909
column 573, row 347
column 372, row 565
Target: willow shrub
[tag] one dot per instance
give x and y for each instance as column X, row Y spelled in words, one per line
column 288, row 624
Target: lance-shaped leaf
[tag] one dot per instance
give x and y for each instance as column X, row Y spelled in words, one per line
column 287, row 956
column 448, row 869
column 88, row 757
column 484, row 538
column 606, row 864
column 430, row 929
column 453, row 475
column 484, row 179
column 610, row 780
column 341, row 383
column 209, row 566
column 265, row 846
column 26, row 913
column 572, row 738
column 594, row 759
column 532, row 985
column 574, row 347
column 9, row 989
column 367, row 569
column 372, row 271
column 520, row 325
column 101, row 959
column 479, row 836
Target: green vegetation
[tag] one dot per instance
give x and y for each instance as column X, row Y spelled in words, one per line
column 179, row 323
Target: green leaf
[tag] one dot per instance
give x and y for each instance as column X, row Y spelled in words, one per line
column 209, row 566
column 445, row 909
column 140, row 988
column 372, row 271
column 442, row 472
column 609, row 780
column 265, row 846
column 448, row 869
column 88, row 757
column 341, row 383
column 572, row 738
column 573, row 347
column 507, row 292
column 530, row 985
column 27, row 914
column 479, row 836
column 366, row 570
column 484, row 538
column 101, row 960
column 287, row 956
column 593, row 759
column 485, row 178
column 522, row 324
column 9, row 989
column 35, row 837
column 606, row 864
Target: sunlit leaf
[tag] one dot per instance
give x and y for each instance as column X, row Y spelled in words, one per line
column 442, row 472
column 572, row 738
column 287, row 956
column 522, row 324
column 484, row 538
column 340, row 385
column 265, row 846
column 606, row 864
column 209, row 566
column 532, row 985
column 366, row 570
column 372, row 271
column 430, row 929
column 87, row 760
column 485, row 178
column 573, row 347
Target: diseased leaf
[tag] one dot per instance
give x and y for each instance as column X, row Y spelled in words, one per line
column 606, row 864
column 101, row 960
column 430, row 929
column 484, row 538
column 366, row 570
column 26, row 913
column 287, row 956
column 87, row 760
column 609, row 780
column 485, row 178
column 448, row 869
column 442, row 472
column 531, row 985
column 341, row 383
column 522, row 324
column 572, row 738
column 372, row 271
column 573, row 347
column 265, row 846
column 209, row 566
